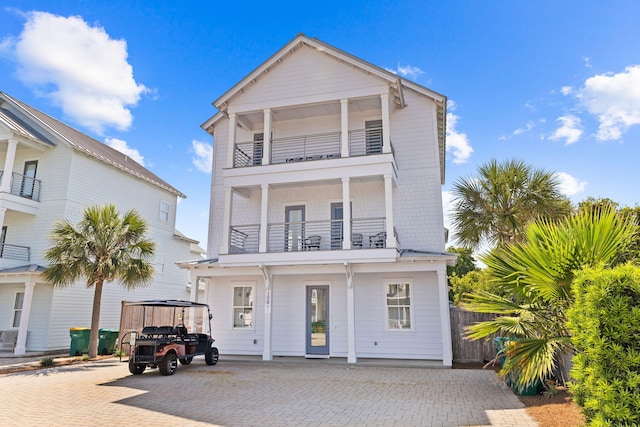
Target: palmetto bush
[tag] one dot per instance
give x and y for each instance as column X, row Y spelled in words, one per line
column 536, row 277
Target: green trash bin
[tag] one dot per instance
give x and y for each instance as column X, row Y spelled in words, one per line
column 500, row 344
column 79, row 341
column 107, row 341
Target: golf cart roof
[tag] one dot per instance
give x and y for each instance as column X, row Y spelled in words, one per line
column 168, row 303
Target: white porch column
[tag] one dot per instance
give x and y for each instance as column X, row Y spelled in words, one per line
column 445, row 320
column 264, row 218
column 193, row 278
column 5, row 186
column 388, row 204
column 3, row 211
column 266, row 350
column 226, row 220
column 346, row 213
column 21, row 343
column 344, row 128
column 386, row 120
column 351, row 317
column 231, row 143
column 266, row 145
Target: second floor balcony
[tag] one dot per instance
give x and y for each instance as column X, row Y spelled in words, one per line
column 308, row 236
column 23, row 186
column 15, row 252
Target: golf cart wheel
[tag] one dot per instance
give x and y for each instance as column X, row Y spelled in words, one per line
column 211, row 356
column 169, row 364
column 185, row 360
column 136, row 368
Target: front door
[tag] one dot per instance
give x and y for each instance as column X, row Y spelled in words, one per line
column 318, row 321
column 337, row 215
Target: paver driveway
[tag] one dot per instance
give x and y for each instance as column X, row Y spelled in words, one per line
column 235, row 393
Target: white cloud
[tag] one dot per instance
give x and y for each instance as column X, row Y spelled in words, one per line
column 79, row 67
column 566, row 90
column 407, row 71
column 122, row 147
column 615, row 100
column 570, row 185
column 458, row 141
column 571, row 129
column 203, row 159
column 587, row 62
column 529, row 126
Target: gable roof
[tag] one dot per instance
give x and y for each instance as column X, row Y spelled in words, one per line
column 396, row 84
column 76, row 139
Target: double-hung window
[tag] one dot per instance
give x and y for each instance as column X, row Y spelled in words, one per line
column 164, row 211
column 243, row 296
column 17, row 309
column 398, row 302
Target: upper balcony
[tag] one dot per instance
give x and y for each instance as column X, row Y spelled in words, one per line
column 23, row 186
column 362, row 142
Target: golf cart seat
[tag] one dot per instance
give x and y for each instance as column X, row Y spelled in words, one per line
column 158, row 330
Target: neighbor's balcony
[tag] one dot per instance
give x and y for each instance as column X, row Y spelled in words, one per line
column 17, row 252
column 23, row 186
column 328, row 235
column 363, row 142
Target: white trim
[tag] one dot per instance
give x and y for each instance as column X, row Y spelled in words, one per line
column 399, row 281
column 243, row 284
column 162, row 213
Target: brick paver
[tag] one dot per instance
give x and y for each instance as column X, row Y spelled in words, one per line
column 235, row 393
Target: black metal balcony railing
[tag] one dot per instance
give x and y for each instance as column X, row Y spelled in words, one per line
column 20, row 253
column 308, row 236
column 362, row 142
column 23, row 186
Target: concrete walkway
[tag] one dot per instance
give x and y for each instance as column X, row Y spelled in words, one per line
column 245, row 392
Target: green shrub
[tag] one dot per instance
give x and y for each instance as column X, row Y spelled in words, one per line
column 47, row 361
column 85, row 357
column 605, row 326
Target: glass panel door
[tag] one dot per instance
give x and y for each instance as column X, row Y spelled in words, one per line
column 28, row 179
column 293, row 228
column 373, row 136
column 337, row 235
column 318, row 320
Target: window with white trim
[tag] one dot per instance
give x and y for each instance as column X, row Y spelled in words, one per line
column 17, row 309
column 243, row 306
column 164, row 211
column 159, row 264
column 398, row 302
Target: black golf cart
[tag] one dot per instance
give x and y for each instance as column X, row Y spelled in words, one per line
column 162, row 332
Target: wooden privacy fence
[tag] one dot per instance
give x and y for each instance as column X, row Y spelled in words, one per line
column 465, row 350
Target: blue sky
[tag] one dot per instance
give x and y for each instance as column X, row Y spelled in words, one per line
column 556, row 84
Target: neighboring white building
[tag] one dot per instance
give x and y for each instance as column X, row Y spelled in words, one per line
column 326, row 234
column 52, row 171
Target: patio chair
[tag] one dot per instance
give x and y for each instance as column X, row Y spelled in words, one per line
column 312, row 243
column 356, row 240
column 378, row 240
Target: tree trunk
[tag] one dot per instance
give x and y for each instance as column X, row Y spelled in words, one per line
column 95, row 319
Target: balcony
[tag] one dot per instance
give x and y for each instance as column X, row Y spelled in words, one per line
column 16, row 252
column 307, row 236
column 23, row 186
column 362, row 142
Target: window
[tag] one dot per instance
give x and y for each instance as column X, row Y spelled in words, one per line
column 17, row 309
column 398, row 305
column 159, row 264
column 164, row 211
column 258, row 148
column 243, row 306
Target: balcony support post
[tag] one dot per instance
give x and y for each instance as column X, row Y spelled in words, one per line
column 226, row 220
column 344, row 128
column 388, row 203
column 266, row 150
column 346, row 213
column 9, row 161
column 231, row 143
column 445, row 321
column 264, row 217
column 386, row 121
column 21, row 343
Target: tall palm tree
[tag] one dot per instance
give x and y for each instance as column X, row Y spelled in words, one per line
column 538, row 274
column 495, row 207
column 103, row 247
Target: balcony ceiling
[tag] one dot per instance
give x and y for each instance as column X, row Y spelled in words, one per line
column 256, row 119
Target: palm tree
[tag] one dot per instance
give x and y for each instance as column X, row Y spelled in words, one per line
column 538, row 274
column 103, row 247
column 496, row 206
